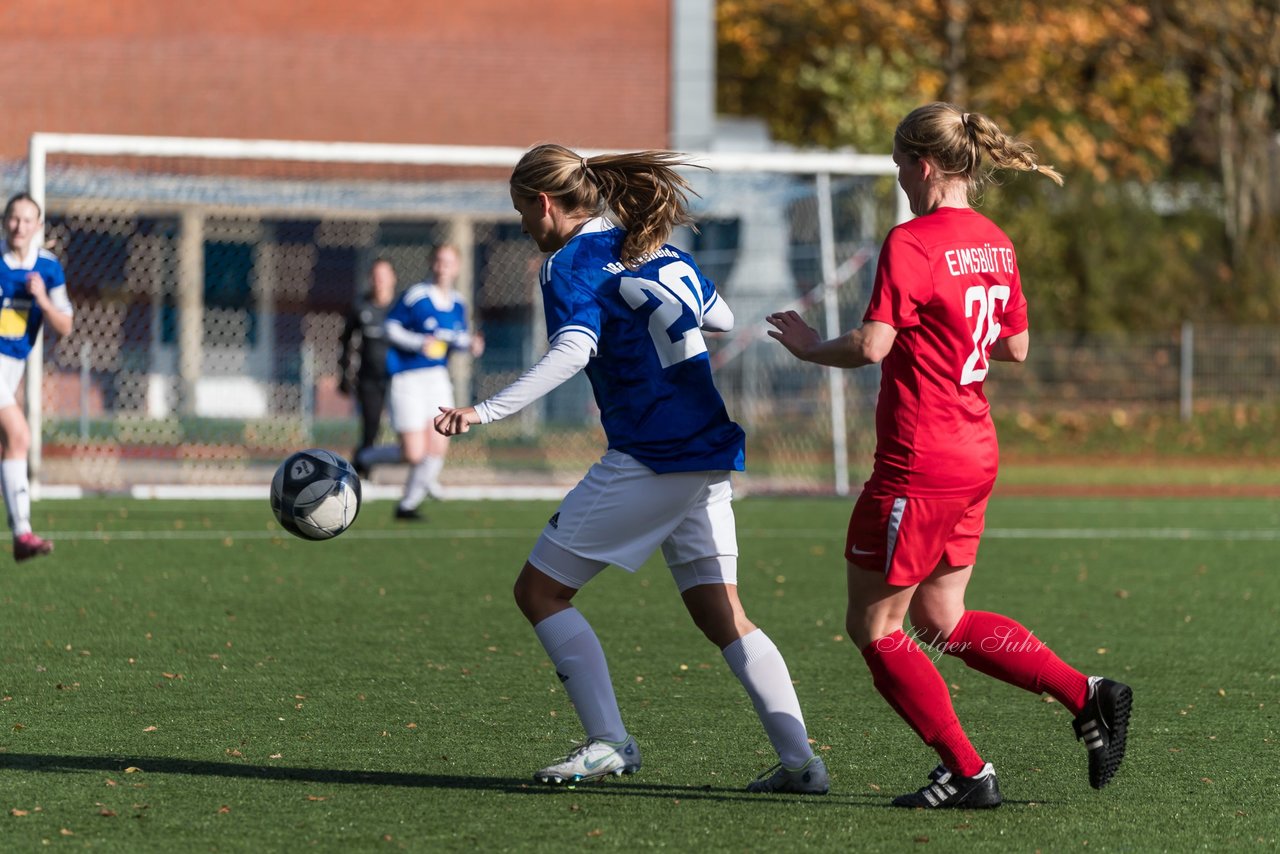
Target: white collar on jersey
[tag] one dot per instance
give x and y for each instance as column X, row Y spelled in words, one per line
column 441, row 300
column 33, row 252
column 595, row 225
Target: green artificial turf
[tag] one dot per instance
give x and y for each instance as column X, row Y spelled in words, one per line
column 182, row 676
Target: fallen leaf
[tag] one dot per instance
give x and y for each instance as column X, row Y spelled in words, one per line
column 151, row 729
column 317, row 797
column 18, row 812
column 234, row 752
column 224, row 809
column 276, row 756
column 66, row 831
column 107, row 813
column 111, row 782
column 132, row 769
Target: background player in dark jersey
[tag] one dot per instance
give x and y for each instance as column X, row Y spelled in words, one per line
column 631, row 310
column 947, row 299
column 364, row 343
column 34, row 291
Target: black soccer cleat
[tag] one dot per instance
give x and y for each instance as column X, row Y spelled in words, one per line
column 951, row 791
column 1103, row 725
column 411, row 514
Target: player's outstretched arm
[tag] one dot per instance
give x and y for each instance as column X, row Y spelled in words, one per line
column 451, row 422
column 866, row 345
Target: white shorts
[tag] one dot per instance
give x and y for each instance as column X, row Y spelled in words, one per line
column 416, row 397
column 10, row 378
column 621, row 512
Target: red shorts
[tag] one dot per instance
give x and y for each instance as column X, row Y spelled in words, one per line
column 907, row 538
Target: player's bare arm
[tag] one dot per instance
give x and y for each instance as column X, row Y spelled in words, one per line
column 866, row 345
column 60, row 322
column 1013, row 348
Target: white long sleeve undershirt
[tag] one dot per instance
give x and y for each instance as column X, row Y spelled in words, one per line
column 718, row 318
column 569, row 354
column 413, row 342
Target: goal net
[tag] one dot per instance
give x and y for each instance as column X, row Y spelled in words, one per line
column 210, row 279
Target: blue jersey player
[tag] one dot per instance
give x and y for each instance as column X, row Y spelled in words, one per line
column 630, row 310
column 424, row 327
column 34, row 292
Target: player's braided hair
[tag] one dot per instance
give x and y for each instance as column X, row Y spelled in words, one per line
column 642, row 188
column 968, row 144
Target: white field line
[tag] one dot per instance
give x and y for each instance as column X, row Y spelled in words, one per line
column 427, row 533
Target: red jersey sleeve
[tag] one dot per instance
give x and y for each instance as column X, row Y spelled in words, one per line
column 903, row 282
column 1014, row 319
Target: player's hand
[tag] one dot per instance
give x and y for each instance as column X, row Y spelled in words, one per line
column 435, row 348
column 477, row 345
column 344, row 386
column 36, row 287
column 451, row 422
column 790, row 330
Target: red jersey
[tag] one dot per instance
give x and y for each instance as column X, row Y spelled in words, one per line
column 948, row 282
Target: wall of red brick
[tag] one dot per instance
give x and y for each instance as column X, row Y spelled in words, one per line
column 588, row 73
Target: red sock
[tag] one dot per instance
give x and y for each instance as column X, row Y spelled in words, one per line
column 906, row 677
column 998, row 646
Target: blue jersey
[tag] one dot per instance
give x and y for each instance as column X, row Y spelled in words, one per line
column 20, row 316
column 426, row 313
column 651, row 373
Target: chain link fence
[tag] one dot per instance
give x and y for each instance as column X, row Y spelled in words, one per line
column 210, row 295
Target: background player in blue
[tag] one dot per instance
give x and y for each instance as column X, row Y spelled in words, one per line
column 425, row 326
column 35, row 291
column 630, row 309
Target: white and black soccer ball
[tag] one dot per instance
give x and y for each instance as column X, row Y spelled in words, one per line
column 315, row 494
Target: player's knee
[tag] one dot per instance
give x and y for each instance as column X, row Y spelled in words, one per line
column 535, row 598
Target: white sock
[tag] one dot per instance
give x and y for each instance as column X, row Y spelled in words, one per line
column 379, row 455
column 759, row 666
column 17, row 495
column 575, row 651
column 415, row 488
column 432, row 472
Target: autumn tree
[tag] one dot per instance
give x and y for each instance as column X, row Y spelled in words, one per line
column 1087, row 81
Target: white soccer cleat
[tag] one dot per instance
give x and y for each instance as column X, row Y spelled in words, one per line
column 591, row 761
column 809, row 779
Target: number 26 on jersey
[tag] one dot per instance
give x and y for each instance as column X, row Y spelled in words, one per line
column 982, row 304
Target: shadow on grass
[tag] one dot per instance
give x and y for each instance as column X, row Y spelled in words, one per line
column 159, row 765
column 630, row 788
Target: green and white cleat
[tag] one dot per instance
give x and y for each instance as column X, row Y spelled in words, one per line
column 809, row 779
column 592, row 761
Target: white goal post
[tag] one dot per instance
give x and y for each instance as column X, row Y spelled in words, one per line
column 821, row 167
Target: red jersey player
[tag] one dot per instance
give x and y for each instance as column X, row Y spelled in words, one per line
column 947, row 301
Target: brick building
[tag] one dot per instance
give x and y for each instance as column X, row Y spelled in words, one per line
column 482, row 72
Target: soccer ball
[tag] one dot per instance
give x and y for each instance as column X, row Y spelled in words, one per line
column 315, row 494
